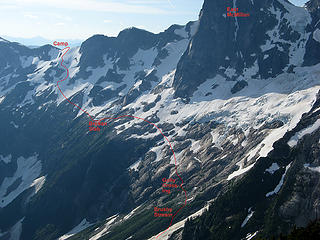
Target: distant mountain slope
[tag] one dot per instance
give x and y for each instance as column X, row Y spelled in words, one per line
column 40, row 41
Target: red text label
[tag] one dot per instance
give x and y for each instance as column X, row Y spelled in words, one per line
column 64, row 44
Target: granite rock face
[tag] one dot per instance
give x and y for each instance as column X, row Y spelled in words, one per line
column 312, row 55
column 221, row 42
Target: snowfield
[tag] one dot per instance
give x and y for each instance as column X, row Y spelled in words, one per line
column 25, row 176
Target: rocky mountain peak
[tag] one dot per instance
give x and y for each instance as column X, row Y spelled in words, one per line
column 259, row 37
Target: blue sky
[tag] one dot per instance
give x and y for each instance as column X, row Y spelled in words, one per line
column 80, row 19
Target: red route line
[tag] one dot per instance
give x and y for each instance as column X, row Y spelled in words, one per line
column 129, row 116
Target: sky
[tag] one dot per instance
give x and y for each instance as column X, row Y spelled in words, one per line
column 80, row 19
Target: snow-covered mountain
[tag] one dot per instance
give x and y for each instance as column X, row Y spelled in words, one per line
column 223, row 90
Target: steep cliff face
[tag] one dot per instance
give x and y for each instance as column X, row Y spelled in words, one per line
column 313, row 45
column 271, row 38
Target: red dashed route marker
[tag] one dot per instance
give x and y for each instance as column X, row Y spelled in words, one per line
column 99, row 123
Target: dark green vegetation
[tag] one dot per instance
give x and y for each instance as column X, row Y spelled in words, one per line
column 310, row 232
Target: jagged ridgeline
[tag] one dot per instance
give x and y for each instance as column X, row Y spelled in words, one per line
column 237, row 97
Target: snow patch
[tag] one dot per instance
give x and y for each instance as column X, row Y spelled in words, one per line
column 26, row 61
column 38, row 183
column 298, row 18
column 230, row 72
column 299, row 135
column 81, row 226
column 195, row 146
column 240, row 171
column 165, row 235
column 28, row 169
column 105, row 229
column 251, row 235
column 1, row 99
column 250, row 213
column 316, row 35
column 135, row 165
column 278, row 187
column 274, row 167
column 6, row 159
column 315, row 169
column 131, row 213
column 159, row 152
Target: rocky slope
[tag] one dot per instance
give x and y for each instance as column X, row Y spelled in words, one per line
column 281, row 191
column 229, row 93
